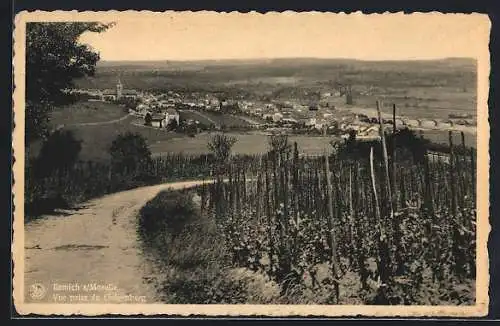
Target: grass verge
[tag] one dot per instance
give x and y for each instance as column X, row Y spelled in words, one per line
column 193, row 256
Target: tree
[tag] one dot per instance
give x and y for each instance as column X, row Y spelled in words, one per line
column 128, row 152
column 54, row 58
column 352, row 136
column 278, row 143
column 148, row 119
column 59, row 152
column 172, row 124
column 406, row 140
column 220, row 145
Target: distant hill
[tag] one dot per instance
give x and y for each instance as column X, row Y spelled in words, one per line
column 282, row 62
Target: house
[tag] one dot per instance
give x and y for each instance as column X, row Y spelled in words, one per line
column 413, row 123
column 291, row 121
column 172, row 114
column 310, row 122
column 429, row 124
column 157, row 120
column 277, row 117
column 108, row 95
column 129, row 94
column 320, row 124
column 143, row 109
column 267, row 116
column 370, row 133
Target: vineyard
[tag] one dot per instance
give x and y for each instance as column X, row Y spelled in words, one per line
column 369, row 223
column 401, row 231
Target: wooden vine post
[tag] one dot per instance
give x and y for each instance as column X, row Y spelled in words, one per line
column 386, row 161
column 388, row 205
column 269, row 217
column 393, row 159
column 383, row 247
column 296, row 198
column 332, row 239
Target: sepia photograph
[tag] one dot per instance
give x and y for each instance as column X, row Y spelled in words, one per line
column 278, row 164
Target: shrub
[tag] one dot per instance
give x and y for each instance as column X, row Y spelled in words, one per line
column 59, row 152
column 128, row 152
column 163, row 218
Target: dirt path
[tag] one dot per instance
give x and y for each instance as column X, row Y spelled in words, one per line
column 96, row 244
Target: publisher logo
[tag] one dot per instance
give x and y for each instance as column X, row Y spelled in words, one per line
column 37, row 291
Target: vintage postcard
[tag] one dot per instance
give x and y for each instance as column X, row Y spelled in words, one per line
column 248, row 164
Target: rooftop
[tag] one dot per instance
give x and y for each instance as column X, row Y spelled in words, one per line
column 157, row 117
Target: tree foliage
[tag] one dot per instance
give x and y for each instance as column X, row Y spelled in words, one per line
column 172, row 124
column 278, row 143
column 54, row 58
column 408, row 145
column 128, row 152
column 59, row 152
column 220, row 145
column 148, row 119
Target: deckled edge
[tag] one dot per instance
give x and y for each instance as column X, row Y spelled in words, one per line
column 482, row 281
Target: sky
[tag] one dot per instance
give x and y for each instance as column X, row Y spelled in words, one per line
column 209, row 35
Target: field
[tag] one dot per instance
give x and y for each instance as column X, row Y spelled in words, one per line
column 247, row 143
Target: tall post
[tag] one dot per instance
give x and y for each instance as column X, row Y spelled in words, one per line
column 333, row 243
column 296, row 197
column 452, row 176
column 269, row 217
column 393, row 160
column 382, row 243
column 386, row 161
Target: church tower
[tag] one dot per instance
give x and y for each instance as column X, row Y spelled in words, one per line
column 119, row 90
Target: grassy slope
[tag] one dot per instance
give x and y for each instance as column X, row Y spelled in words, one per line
column 193, row 258
column 84, row 112
column 97, row 139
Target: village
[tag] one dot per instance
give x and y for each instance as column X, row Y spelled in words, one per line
column 333, row 112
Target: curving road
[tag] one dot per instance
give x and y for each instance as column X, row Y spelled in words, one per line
column 96, row 244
